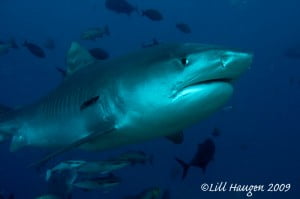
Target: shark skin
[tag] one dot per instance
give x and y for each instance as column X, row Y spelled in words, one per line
column 147, row 94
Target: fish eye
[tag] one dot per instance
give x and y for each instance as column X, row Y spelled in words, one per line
column 184, row 61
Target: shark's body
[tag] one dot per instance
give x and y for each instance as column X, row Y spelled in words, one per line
column 154, row 92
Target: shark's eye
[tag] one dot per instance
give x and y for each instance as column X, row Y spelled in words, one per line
column 184, row 61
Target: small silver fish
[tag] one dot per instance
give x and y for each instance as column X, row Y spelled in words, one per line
column 95, row 33
column 66, row 165
column 102, row 167
column 98, row 183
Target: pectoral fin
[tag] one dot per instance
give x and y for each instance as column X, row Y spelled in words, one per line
column 176, row 138
column 89, row 138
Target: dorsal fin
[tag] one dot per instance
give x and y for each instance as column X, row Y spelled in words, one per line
column 78, row 57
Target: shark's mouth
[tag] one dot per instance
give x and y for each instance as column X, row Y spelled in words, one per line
column 210, row 81
column 226, row 80
column 200, row 85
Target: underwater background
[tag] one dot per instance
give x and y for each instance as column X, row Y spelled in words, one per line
column 259, row 127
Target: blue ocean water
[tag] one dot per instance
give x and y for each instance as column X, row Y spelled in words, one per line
column 259, row 141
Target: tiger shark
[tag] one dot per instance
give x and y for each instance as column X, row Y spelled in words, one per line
column 155, row 92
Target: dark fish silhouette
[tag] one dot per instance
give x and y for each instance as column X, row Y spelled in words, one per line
column 152, row 14
column 183, row 27
column 35, row 49
column 204, row 155
column 99, row 53
column 120, row 6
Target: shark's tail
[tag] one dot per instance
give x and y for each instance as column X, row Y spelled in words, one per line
column 185, row 167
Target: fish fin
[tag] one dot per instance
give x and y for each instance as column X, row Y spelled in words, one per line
column 185, row 167
column 71, row 146
column 176, row 138
column 78, row 57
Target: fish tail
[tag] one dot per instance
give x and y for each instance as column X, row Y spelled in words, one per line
column 185, row 167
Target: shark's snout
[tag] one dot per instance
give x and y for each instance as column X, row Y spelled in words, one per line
column 236, row 62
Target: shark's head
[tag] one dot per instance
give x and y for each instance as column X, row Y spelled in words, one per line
column 184, row 83
column 205, row 75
